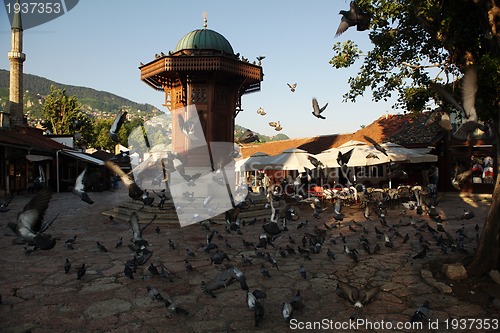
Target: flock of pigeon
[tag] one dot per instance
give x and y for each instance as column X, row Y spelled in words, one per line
column 353, row 17
column 274, row 246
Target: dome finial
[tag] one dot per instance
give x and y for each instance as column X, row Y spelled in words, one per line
column 204, row 15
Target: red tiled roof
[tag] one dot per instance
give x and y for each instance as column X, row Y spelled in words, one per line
column 380, row 130
column 29, row 137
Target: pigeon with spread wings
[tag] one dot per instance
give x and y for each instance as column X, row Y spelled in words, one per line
column 247, row 137
column 117, row 124
column 468, row 108
column 187, row 127
column 80, row 185
column 376, row 145
column 292, row 86
column 30, row 224
column 353, row 17
column 357, row 297
column 134, row 191
column 317, row 110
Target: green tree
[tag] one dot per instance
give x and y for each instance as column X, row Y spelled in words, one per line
column 60, row 111
column 416, row 42
column 102, row 139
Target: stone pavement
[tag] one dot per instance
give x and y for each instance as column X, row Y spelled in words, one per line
column 38, row 297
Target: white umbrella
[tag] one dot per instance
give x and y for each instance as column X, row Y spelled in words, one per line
column 329, row 157
column 364, row 154
column 291, row 159
column 254, row 162
column 412, row 155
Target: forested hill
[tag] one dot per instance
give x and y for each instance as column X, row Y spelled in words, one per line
column 98, row 104
column 92, row 100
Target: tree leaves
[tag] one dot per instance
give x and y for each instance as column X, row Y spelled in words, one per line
column 416, row 40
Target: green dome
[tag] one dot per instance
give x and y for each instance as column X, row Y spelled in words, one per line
column 204, row 39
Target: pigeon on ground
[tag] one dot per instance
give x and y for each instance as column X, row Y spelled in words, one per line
column 30, row 224
column 117, row 124
column 297, row 301
column 251, row 300
column 128, row 272
column 292, row 86
column 188, row 265
column 67, row 266
column 153, row 269
column 303, row 272
column 258, row 313
column 80, row 272
column 101, row 247
column 224, row 279
column 174, row 307
column 421, row 254
column 317, row 110
column 287, row 311
column 353, row 17
column 357, row 297
column 5, row 203
column 421, row 313
column 467, row 215
column 154, row 294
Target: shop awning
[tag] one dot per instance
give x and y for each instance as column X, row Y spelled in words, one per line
column 83, row 157
column 38, row 158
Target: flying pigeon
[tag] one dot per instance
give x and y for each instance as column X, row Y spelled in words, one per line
column 188, row 128
column 353, row 17
column 79, row 188
column 376, row 145
column 117, row 124
column 261, row 111
column 468, row 108
column 357, row 297
column 260, row 58
column 317, row 110
column 292, row 86
column 442, row 117
column 314, row 161
column 343, row 159
column 247, row 137
column 460, row 178
column 30, row 224
column 134, row 191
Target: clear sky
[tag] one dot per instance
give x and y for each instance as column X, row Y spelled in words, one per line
column 99, row 44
